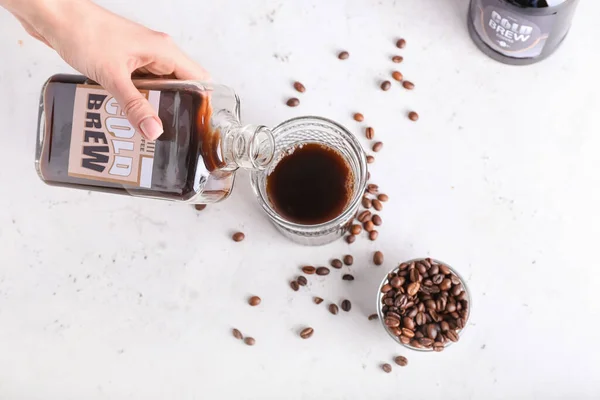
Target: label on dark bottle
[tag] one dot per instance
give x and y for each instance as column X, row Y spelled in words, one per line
column 508, row 32
column 104, row 145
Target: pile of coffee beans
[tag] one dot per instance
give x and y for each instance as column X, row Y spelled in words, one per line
column 424, row 304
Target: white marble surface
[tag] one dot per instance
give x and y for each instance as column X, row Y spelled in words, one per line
column 105, row 297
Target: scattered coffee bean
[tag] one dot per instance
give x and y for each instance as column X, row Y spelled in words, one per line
column 250, row 341
column 200, row 207
column 322, row 271
column 387, row 368
column 317, row 300
column 397, row 75
column 254, row 301
column 383, row 197
column 336, row 263
column 350, row 239
column 386, row 85
column 238, row 236
column 373, row 235
column 378, row 258
column 370, row 133
column 401, row 361
column 356, row 229
column 293, row 102
column 346, row 305
column 306, row 333
column 413, row 116
column 377, row 220
column 302, row 281
column 343, row 55
column 369, row 226
column 373, row 317
column 309, row 270
column 377, row 205
column 237, row 334
column 370, row 159
column 333, row 309
column 366, row 202
column 408, row 85
column 358, row 117
column 299, row 87
column 348, row 260
column 401, row 43
column 294, row 285
column 377, row 147
column 364, row 216
column 348, row 277
column 397, row 59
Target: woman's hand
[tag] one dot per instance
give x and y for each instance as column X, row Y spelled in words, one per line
column 107, row 49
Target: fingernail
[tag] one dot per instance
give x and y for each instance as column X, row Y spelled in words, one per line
column 151, row 128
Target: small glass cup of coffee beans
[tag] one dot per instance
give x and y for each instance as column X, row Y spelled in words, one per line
column 424, row 304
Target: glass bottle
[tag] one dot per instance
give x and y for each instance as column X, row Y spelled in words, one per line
column 520, row 32
column 86, row 142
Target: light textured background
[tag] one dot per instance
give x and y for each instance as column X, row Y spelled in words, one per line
column 105, row 297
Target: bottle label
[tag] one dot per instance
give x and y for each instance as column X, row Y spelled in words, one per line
column 509, row 33
column 104, row 145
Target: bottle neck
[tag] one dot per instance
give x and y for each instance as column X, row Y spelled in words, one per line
column 250, row 147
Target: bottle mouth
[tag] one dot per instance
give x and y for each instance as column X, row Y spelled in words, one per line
column 262, row 148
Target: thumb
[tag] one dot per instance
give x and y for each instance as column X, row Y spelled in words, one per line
column 139, row 112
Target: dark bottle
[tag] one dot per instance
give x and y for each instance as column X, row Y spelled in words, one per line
column 86, row 142
column 520, row 32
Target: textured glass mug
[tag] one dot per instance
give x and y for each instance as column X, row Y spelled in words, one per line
column 304, row 130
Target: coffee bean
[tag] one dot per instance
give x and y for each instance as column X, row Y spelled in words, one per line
column 348, row 277
column 370, row 133
column 350, row 239
column 392, row 322
column 404, row 339
column 293, row 102
column 460, row 323
column 403, row 266
column 373, row 235
column 413, row 116
column 373, row 317
column 294, row 285
column 446, row 284
column 317, row 300
column 430, row 304
column 408, row 332
column 377, row 205
column 238, row 236
column 377, row 221
column 364, row 216
column 306, row 333
column 386, row 85
column 412, row 312
column 421, row 307
column 444, row 269
column 419, row 335
column 444, row 327
column 387, row 368
column 250, row 341
column 309, row 270
column 372, row 188
column 431, row 331
column 401, row 301
column 437, row 346
column 456, row 290
column 422, row 269
column 322, row 271
column 254, row 301
column 408, row 323
column 356, row 229
column 452, row 336
column 383, row 197
column 397, row 282
column 437, row 279
column 388, row 301
column 426, row 342
column 386, row 288
column 237, row 334
column 302, row 281
column 397, row 75
column 200, row 207
column 420, row 319
column 346, row 305
column 358, row 117
column 299, row 87
column 401, row 361
column 366, row 202
column 336, row 263
column 397, row 59
column 440, row 338
column 378, row 258
column 451, row 307
column 343, row 55
column 408, row 85
column 369, row 226
column 414, row 275
column 348, row 260
column 395, row 331
column 401, row 43
column 434, row 270
column 370, row 159
column 377, row 146
column 393, row 314
column 333, row 309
